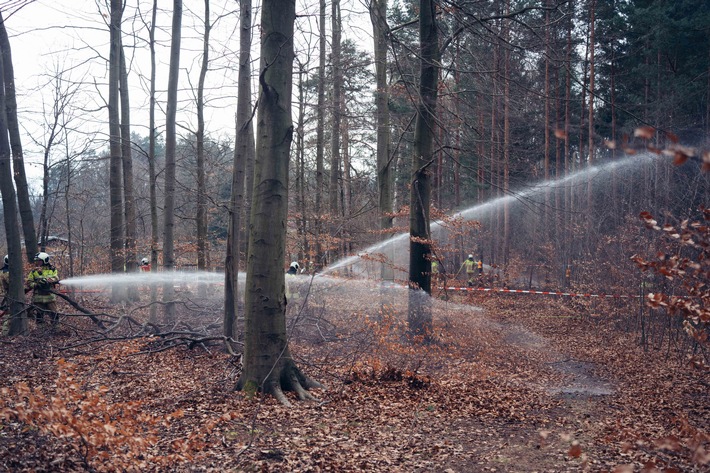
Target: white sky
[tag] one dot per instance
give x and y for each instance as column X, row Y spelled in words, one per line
column 71, row 36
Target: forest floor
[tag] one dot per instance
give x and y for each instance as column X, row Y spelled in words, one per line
column 515, row 383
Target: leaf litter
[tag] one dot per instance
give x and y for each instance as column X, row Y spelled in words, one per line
column 508, row 386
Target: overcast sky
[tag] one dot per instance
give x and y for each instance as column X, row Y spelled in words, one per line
column 71, row 37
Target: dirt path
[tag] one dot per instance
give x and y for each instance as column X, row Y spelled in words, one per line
column 561, row 437
column 616, row 403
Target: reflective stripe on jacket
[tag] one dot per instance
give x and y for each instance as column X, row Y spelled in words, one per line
column 469, row 266
column 42, row 295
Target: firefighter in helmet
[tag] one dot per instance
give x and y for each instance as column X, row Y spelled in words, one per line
column 293, row 268
column 470, row 265
column 40, row 281
column 292, row 271
column 145, row 265
column 4, row 280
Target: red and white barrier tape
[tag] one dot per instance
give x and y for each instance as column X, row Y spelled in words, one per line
column 547, row 293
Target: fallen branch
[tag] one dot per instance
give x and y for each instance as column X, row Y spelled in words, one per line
column 81, row 309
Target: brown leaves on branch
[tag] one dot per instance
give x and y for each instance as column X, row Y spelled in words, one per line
column 680, row 154
column 692, row 239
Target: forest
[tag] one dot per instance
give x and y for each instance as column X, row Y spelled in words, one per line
column 493, row 215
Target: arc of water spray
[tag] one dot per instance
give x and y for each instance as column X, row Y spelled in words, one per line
column 481, row 209
column 145, row 278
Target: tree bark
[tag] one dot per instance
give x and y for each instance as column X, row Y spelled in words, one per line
column 320, row 138
column 378, row 17
column 115, row 169
column 590, row 197
column 268, row 365
column 154, row 227
column 243, row 152
column 170, row 145
column 15, row 296
column 546, row 217
column 301, row 207
column 494, row 174
column 420, row 322
column 200, row 138
column 506, row 134
column 335, row 158
column 567, row 215
column 18, row 161
column 127, row 160
column 67, row 202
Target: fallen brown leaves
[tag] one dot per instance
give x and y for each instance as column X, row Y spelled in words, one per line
column 489, row 396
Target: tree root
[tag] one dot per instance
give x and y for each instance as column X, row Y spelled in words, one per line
column 279, row 395
column 302, row 393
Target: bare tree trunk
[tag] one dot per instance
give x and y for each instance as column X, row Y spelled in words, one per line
column 15, row 296
column 127, row 160
column 268, row 364
column 170, row 145
column 568, row 95
column 243, row 152
column 115, row 169
column 378, row 17
column 67, row 203
column 590, row 197
column 53, row 130
column 559, row 214
column 335, row 54
column 154, row 226
column 495, row 155
column 546, row 216
column 201, row 197
column 707, row 104
column 347, row 191
column 506, row 136
column 420, row 322
column 301, row 207
column 612, row 93
column 248, row 181
column 18, row 162
column 580, row 151
column 320, row 137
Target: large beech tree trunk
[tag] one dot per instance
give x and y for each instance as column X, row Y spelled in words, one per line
column 320, row 137
column 127, row 160
column 378, row 17
column 200, row 138
column 268, row 365
column 18, row 161
column 170, row 165
column 154, row 228
column 420, row 323
column 116, row 165
column 15, row 296
column 243, row 152
column 333, row 189
column 506, row 135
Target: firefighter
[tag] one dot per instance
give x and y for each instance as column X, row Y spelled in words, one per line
column 145, row 265
column 4, row 281
column 469, row 264
column 480, row 266
column 293, row 269
column 40, row 280
column 434, row 273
